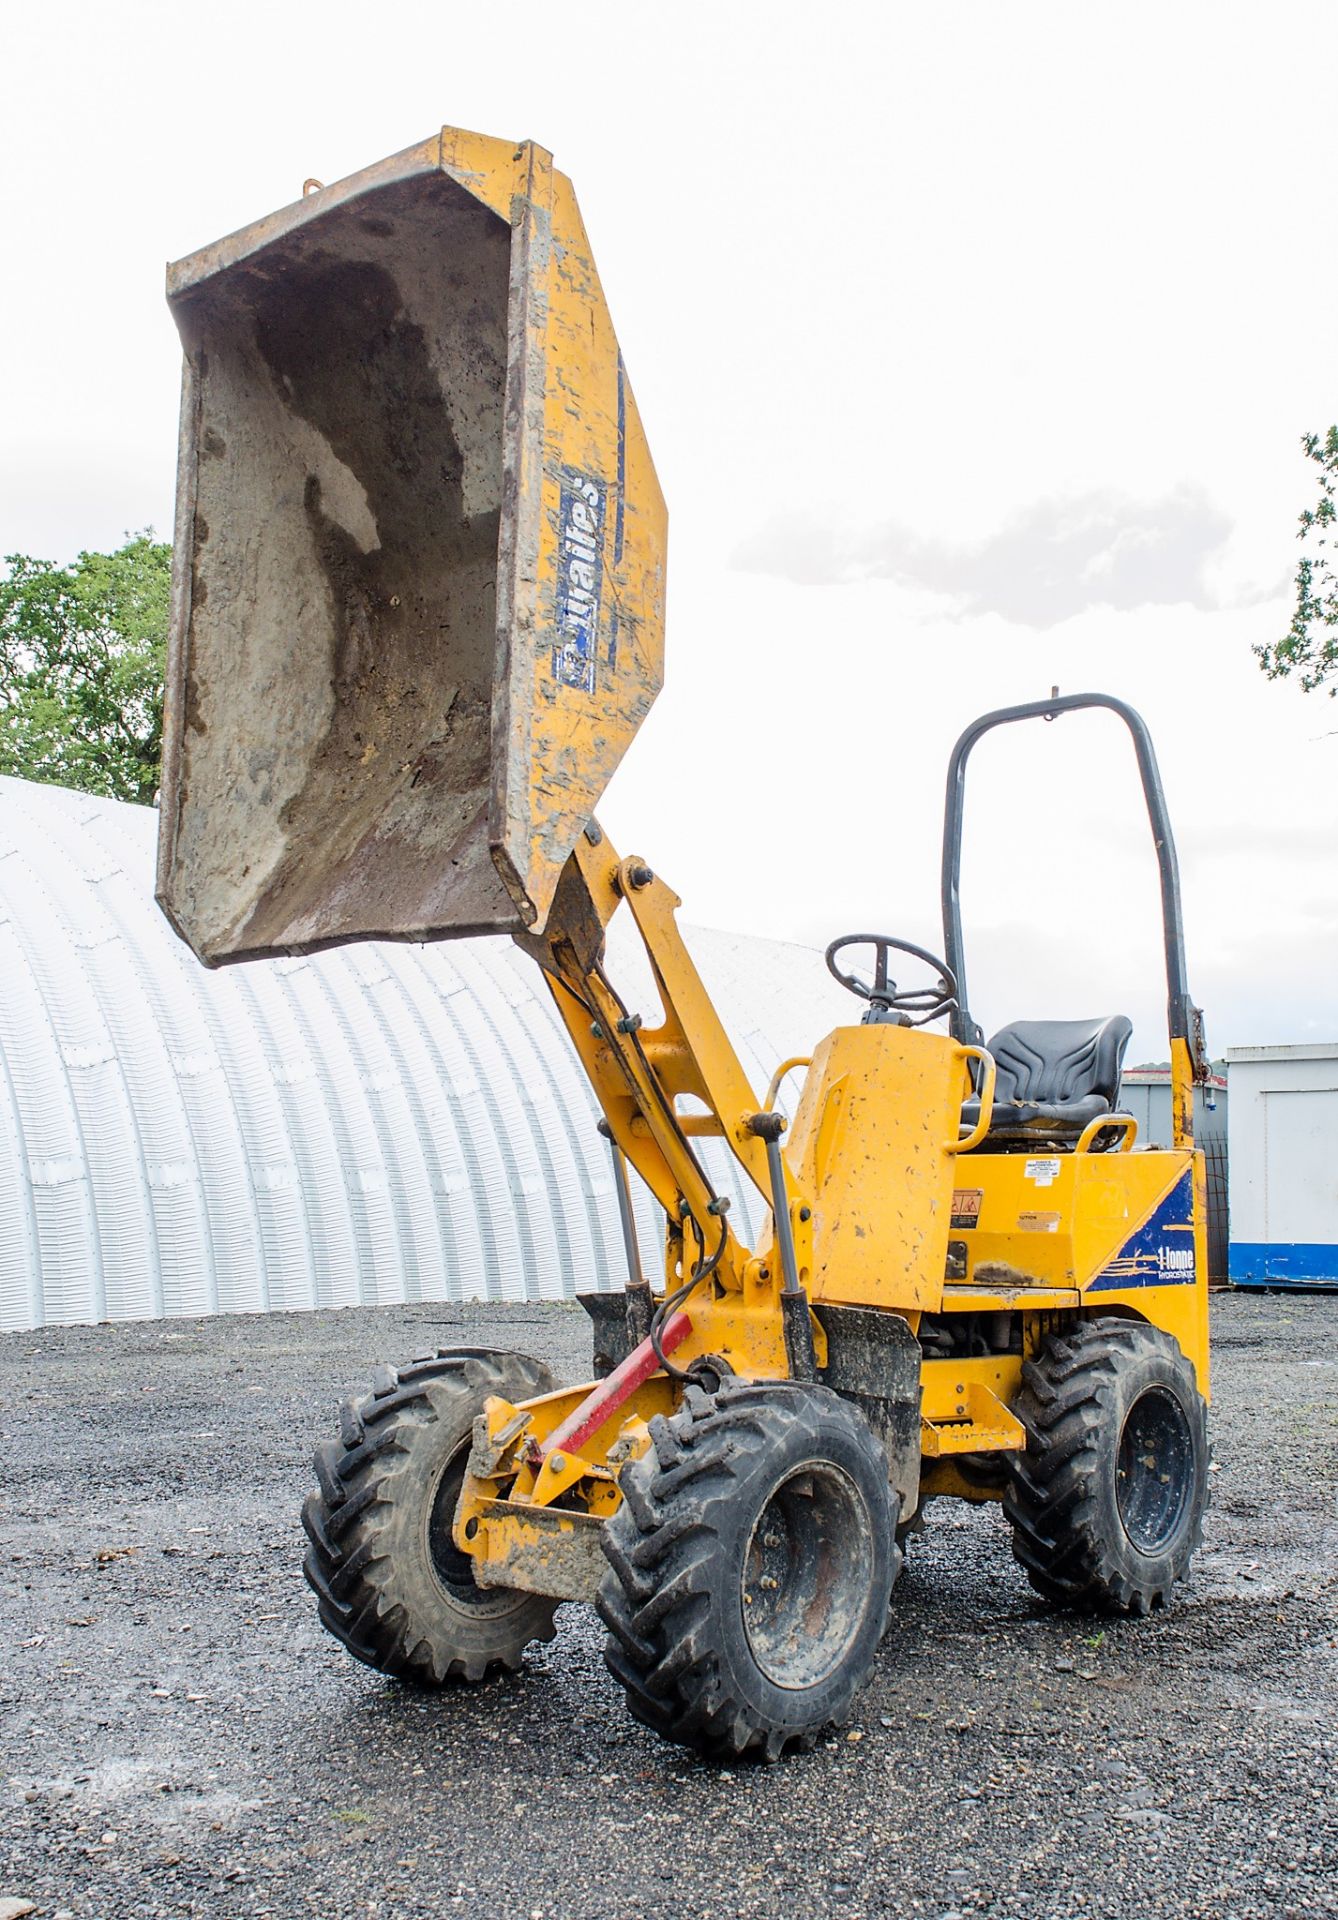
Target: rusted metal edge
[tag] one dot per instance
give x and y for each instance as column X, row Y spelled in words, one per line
column 169, row 777
column 522, row 505
column 192, row 271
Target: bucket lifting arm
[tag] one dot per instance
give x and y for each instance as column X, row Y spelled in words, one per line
column 642, row 1076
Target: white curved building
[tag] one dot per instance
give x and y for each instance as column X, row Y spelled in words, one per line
column 380, row 1123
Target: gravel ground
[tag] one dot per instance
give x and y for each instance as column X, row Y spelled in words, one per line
column 180, row 1737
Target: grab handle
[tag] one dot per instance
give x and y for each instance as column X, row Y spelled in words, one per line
column 982, row 1126
column 1124, row 1123
column 786, row 1066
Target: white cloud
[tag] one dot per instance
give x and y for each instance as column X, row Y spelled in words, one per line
column 1050, row 560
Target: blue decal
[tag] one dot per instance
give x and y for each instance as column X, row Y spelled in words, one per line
column 1161, row 1253
column 580, row 580
column 622, row 465
column 1281, row 1263
column 620, row 495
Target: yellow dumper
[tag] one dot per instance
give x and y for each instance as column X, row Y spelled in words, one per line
column 418, row 618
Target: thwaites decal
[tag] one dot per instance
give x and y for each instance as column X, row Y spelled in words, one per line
column 580, row 579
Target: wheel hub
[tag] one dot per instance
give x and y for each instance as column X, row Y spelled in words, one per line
column 1154, row 1470
column 807, row 1574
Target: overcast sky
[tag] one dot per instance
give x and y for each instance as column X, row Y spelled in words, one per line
column 974, row 344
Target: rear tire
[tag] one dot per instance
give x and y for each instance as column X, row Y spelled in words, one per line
column 750, row 1566
column 1106, row 1504
column 389, row 1581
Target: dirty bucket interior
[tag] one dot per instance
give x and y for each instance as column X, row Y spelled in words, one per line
column 343, row 572
column 344, row 708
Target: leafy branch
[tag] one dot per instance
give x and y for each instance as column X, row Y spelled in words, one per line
column 82, row 658
column 1310, row 648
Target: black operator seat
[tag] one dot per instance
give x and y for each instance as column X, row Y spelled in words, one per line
column 1054, row 1076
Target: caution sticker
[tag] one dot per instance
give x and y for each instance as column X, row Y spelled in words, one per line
column 1038, row 1222
column 966, row 1206
column 1043, row 1172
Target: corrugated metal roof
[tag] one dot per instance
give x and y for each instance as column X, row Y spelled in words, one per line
column 1292, row 1050
column 378, row 1123
column 1158, row 1074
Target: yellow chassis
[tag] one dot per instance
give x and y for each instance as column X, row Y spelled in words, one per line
column 876, row 1174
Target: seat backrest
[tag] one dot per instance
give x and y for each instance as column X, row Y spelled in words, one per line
column 1056, row 1062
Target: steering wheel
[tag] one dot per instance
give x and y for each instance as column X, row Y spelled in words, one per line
column 884, row 996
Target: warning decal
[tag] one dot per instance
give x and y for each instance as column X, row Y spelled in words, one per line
column 966, row 1206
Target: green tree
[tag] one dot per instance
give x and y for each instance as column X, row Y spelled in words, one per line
column 1310, row 648
column 82, row 656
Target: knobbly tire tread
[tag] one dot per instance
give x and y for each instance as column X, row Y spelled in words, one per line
column 1060, row 1503
column 664, row 1598
column 375, row 1587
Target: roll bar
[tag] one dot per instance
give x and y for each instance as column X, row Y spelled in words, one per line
column 1184, row 1019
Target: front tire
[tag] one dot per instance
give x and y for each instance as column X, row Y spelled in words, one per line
column 1107, row 1502
column 389, row 1581
column 750, row 1565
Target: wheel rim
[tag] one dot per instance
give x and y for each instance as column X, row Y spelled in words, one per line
column 807, row 1575
column 1155, row 1470
column 453, row 1569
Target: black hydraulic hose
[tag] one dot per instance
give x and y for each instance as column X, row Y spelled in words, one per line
column 672, row 1301
column 663, row 1101
column 704, row 1268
